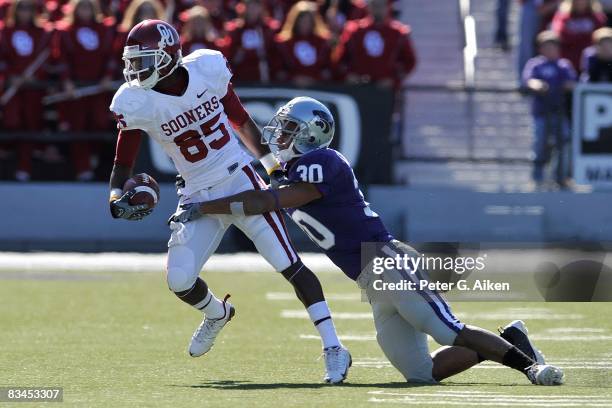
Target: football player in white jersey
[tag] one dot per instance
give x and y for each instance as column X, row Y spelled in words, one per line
column 189, row 107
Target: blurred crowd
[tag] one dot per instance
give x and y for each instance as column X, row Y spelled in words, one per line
column 561, row 42
column 51, row 47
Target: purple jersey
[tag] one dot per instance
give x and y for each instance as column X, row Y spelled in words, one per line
column 555, row 73
column 341, row 220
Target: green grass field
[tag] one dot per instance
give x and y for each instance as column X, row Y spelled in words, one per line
column 119, row 339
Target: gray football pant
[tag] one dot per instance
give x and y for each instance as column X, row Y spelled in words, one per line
column 404, row 318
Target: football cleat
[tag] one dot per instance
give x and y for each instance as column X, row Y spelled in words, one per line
column 516, row 333
column 204, row 337
column 337, row 362
column 545, row 374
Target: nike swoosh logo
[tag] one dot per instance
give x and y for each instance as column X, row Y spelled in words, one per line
column 202, row 94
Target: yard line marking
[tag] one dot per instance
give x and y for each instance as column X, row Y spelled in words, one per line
column 347, row 337
column 541, row 313
column 575, row 330
column 480, row 394
column 457, row 397
column 503, row 316
column 487, row 403
column 302, row 314
column 328, row 296
column 585, row 360
column 379, row 363
column 543, row 337
column 563, row 366
column 140, row 262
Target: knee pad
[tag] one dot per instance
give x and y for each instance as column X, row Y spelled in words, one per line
column 179, row 279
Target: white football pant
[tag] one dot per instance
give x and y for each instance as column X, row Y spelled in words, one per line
column 192, row 243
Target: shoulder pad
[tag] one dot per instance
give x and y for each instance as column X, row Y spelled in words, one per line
column 130, row 107
column 212, row 64
column 129, row 99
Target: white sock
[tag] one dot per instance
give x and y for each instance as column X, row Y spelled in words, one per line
column 211, row 306
column 321, row 317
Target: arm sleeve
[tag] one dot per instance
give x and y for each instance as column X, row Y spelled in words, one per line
column 570, row 72
column 128, row 144
column 233, row 107
column 528, row 71
column 408, row 58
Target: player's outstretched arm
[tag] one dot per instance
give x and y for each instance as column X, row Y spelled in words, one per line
column 251, row 202
column 248, row 131
column 250, row 134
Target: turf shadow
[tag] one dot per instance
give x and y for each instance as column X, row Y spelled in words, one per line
column 248, row 385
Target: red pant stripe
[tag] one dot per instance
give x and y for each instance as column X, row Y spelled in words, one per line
column 284, row 242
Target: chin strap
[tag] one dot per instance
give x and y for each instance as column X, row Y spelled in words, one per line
column 289, row 153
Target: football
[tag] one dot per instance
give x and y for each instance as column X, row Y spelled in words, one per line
column 147, row 190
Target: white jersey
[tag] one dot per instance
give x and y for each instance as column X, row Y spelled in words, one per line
column 193, row 129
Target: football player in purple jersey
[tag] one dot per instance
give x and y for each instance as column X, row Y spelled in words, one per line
column 319, row 189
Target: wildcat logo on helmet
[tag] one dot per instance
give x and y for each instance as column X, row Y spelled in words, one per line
column 324, row 121
column 166, row 36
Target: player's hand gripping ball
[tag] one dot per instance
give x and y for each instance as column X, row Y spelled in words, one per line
column 140, row 196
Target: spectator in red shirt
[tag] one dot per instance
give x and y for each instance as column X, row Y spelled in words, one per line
column 338, row 12
column 84, row 49
column 375, row 49
column 4, row 7
column 303, row 47
column 200, row 32
column 137, row 11
column 575, row 23
column 217, row 14
column 251, row 45
column 22, row 39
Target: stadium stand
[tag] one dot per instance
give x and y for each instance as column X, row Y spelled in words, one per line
column 457, row 139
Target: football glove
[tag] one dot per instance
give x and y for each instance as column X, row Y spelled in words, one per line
column 179, row 182
column 122, row 208
column 278, row 178
column 186, row 213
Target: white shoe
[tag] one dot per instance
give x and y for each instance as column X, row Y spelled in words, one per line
column 545, row 374
column 516, row 333
column 204, row 337
column 337, row 362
